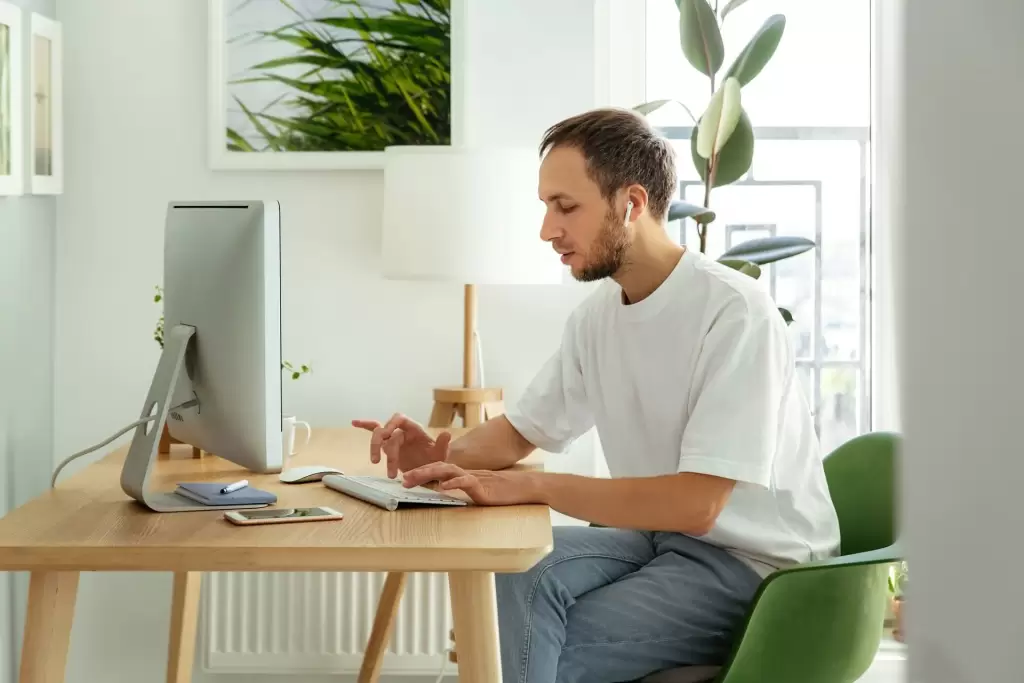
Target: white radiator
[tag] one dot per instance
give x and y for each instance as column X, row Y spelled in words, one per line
column 316, row 622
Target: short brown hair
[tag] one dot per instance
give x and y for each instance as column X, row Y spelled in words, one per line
column 620, row 148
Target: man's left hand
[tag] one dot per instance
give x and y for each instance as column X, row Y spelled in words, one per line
column 484, row 487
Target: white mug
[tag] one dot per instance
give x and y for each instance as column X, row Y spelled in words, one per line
column 288, row 425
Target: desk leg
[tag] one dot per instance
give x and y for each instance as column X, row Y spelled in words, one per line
column 184, row 622
column 51, row 610
column 383, row 625
column 475, row 613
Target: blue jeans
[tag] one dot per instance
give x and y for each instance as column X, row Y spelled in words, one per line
column 613, row 605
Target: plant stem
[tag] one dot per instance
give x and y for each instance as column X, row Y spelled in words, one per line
column 709, row 170
column 709, row 179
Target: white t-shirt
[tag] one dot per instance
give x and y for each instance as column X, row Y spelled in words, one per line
column 697, row 377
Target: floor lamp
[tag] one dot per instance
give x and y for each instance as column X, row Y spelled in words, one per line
column 469, row 215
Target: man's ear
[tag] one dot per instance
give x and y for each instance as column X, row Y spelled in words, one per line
column 636, row 200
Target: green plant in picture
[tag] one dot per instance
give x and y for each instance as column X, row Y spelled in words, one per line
column 362, row 76
column 722, row 142
column 158, row 334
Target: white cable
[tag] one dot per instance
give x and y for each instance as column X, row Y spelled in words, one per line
column 133, row 425
column 90, row 449
column 444, row 664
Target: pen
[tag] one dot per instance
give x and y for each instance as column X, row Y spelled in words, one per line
column 231, row 488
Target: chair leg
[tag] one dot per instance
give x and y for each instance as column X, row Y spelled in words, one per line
column 383, row 625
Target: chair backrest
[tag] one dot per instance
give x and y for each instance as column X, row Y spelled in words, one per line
column 861, row 477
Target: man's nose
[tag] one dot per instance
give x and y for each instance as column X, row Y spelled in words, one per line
column 549, row 229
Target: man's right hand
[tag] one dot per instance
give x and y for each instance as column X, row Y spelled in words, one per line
column 405, row 443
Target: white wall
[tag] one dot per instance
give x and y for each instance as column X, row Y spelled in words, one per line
column 135, row 92
column 27, row 233
column 960, row 305
column 27, row 228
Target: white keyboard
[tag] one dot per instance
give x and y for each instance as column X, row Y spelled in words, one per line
column 387, row 493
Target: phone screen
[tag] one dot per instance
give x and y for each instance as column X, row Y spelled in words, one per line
column 283, row 513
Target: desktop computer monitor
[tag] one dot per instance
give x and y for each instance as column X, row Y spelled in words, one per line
column 217, row 385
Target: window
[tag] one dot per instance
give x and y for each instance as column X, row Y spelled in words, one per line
column 811, row 112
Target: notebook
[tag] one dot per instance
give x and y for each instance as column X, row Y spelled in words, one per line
column 208, row 493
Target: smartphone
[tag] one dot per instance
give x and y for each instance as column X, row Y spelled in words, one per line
column 281, row 515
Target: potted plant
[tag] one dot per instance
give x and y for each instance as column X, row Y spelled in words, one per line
column 158, row 335
column 722, row 141
column 898, row 577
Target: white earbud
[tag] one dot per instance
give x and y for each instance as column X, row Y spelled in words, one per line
column 629, row 209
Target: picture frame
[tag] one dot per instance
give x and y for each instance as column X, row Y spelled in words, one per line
column 46, row 105
column 282, row 95
column 12, row 104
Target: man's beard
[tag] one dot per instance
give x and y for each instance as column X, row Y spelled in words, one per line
column 608, row 253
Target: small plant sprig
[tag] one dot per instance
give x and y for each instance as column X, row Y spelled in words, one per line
column 296, row 372
column 158, row 335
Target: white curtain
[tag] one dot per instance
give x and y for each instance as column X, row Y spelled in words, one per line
column 886, row 201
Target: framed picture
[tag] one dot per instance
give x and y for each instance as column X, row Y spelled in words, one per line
column 46, row 152
column 328, row 84
column 12, row 136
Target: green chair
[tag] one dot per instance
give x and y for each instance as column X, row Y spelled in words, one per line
column 822, row 622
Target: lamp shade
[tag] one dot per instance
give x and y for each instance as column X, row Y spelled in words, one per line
column 467, row 215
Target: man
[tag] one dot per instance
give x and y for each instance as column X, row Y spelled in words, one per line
column 686, row 369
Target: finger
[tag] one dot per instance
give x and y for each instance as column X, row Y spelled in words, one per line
column 392, row 445
column 411, row 427
column 375, row 444
column 469, row 484
column 397, row 421
column 392, row 448
column 439, row 471
column 441, row 445
column 368, row 425
column 381, row 433
column 462, row 482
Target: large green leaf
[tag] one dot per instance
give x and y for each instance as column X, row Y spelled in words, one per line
column 719, row 119
column 733, row 162
column 769, row 249
column 745, row 267
column 730, row 6
column 680, row 209
column 700, row 37
column 759, row 50
column 786, row 315
column 654, row 105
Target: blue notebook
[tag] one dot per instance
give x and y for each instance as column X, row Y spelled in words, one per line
column 208, row 493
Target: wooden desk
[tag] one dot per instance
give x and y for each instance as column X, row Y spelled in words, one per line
column 88, row 524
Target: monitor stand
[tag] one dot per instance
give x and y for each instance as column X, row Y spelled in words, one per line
column 143, row 450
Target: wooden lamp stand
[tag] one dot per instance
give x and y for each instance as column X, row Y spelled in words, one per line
column 474, row 404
